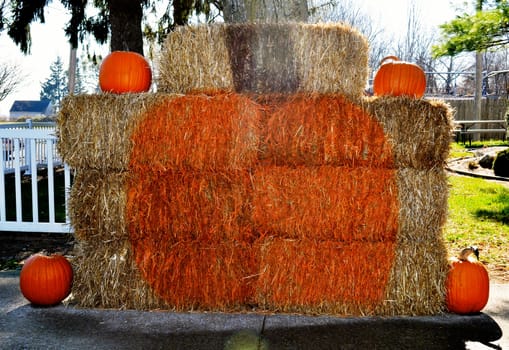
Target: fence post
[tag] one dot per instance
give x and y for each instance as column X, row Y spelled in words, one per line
column 28, row 149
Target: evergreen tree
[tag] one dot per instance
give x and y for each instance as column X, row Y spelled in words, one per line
column 55, row 87
column 119, row 21
column 80, row 86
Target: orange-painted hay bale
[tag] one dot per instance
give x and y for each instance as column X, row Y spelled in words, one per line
column 322, row 130
column 230, row 195
column 332, row 277
column 265, row 58
column 326, row 203
column 420, row 130
column 180, row 206
column 94, row 130
column 198, row 132
column 197, row 274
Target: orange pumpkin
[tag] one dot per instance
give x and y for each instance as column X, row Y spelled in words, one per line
column 399, row 78
column 468, row 284
column 124, row 71
column 46, row 280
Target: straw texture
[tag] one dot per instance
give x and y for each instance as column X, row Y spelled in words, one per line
column 313, row 129
column 94, row 130
column 265, row 58
column 292, row 203
column 259, row 177
column 420, row 130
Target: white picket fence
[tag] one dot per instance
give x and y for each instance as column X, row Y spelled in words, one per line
column 27, row 151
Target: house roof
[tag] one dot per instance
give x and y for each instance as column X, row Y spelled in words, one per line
column 30, row 106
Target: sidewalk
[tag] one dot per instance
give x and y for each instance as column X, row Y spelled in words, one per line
column 23, row 326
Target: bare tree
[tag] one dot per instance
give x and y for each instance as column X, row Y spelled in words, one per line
column 349, row 12
column 415, row 46
column 11, row 78
column 496, row 77
column 265, row 10
column 447, row 74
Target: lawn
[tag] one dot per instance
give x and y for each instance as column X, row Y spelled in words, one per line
column 479, row 215
column 459, row 150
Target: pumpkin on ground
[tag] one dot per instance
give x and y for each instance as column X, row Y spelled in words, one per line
column 46, row 280
column 468, row 284
column 123, row 72
column 399, row 78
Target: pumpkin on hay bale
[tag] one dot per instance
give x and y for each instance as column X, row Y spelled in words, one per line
column 124, row 72
column 399, row 78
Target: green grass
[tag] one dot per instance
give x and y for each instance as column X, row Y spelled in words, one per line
column 480, row 144
column 460, row 150
column 479, row 215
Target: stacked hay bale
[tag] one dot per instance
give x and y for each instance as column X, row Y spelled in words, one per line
column 271, row 183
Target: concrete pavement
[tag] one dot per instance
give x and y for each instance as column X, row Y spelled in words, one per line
column 23, row 326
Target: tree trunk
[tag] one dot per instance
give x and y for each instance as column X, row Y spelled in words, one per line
column 125, row 24
column 236, row 11
column 478, row 92
column 478, row 82
column 72, row 71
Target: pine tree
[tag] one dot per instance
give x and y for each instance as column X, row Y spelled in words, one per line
column 55, row 87
column 79, row 86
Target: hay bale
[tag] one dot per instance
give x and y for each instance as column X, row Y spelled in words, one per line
column 420, row 130
column 200, row 275
column 106, row 276
column 316, row 277
column 326, row 203
column 303, row 203
column 332, row 58
column 94, row 130
column 423, row 206
column 315, row 130
column 107, row 131
column 197, row 132
column 195, row 58
column 97, row 205
column 417, row 282
column 180, row 206
column 265, row 58
column 228, row 130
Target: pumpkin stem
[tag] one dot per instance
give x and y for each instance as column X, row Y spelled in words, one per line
column 389, row 58
column 465, row 253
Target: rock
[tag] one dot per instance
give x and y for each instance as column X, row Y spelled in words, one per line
column 486, row 161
